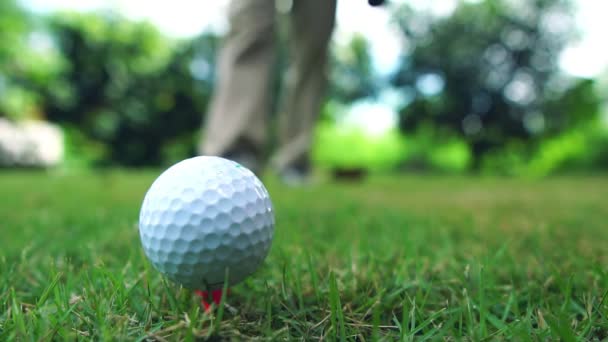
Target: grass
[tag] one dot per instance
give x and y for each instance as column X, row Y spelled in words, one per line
column 394, row 258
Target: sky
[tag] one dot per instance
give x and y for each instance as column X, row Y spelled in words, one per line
column 185, row 18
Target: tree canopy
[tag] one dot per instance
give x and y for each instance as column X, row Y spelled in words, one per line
column 489, row 74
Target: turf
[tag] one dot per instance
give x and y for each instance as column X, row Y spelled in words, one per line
column 394, row 258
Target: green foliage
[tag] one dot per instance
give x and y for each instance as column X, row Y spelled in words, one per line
column 80, row 150
column 575, row 150
column 489, row 74
column 13, row 24
column 583, row 148
column 348, row 146
column 555, row 152
column 401, row 258
column 431, row 150
column 128, row 87
column 481, row 90
column 510, row 160
column 25, row 60
column 452, row 156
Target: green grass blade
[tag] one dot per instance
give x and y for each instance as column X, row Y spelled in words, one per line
column 47, row 291
column 339, row 327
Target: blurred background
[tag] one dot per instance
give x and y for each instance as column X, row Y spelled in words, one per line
column 509, row 87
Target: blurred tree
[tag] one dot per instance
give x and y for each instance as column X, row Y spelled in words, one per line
column 138, row 94
column 13, row 25
column 352, row 76
column 489, row 74
column 24, row 60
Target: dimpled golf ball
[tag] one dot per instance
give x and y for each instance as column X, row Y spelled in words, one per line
column 206, row 218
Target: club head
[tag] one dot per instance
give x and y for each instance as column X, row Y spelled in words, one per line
column 375, row 2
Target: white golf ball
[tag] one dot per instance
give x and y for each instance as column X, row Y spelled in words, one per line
column 206, row 217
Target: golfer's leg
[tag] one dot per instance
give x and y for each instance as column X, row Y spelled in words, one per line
column 240, row 105
column 311, row 29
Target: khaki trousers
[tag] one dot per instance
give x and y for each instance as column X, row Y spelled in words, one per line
column 240, row 107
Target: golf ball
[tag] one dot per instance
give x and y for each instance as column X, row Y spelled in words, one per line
column 205, row 218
